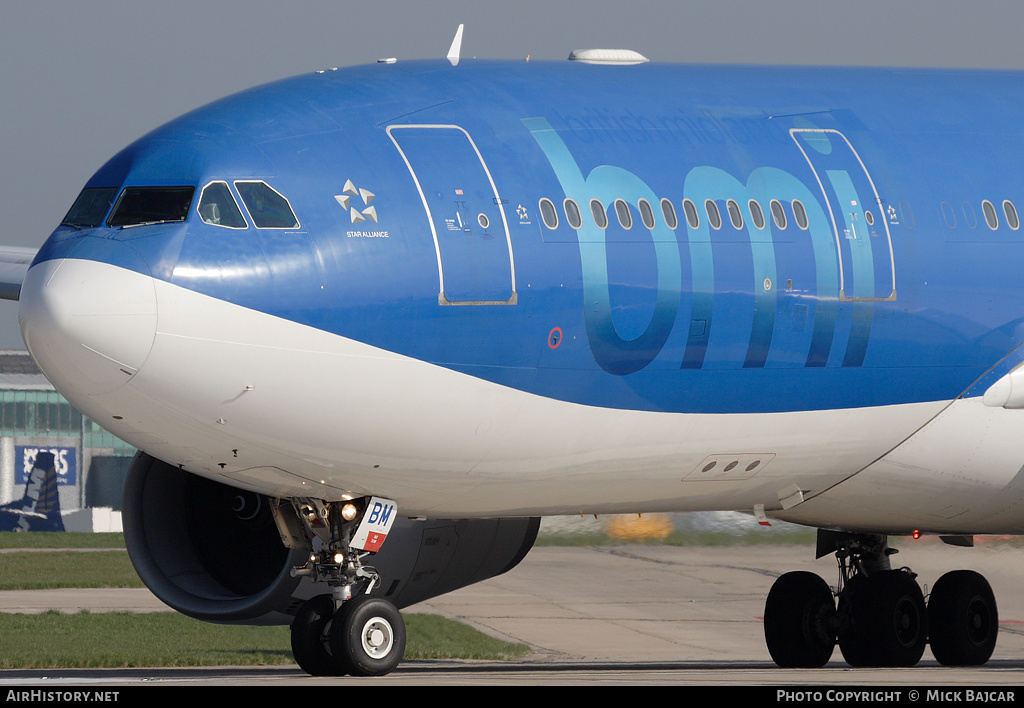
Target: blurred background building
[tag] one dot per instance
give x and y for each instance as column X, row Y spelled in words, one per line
column 91, row 463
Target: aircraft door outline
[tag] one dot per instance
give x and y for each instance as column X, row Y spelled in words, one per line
column 474, row 267
column 866, row 273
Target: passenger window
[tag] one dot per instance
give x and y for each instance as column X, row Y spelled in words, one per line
column 714, row 216
column 622, row 212
column 801, row 214
column 267, row 207
column 572, row 213
column 778, row 213
column 139, row 206
column 734, row 213
column 1011, row 215
column 756, row 213
column 991, row 218
column 646, row 213
column 599, row 214
column 949, row 216
column 970, row 217
column 692, row 217
column 907, row 215
column 548, row 213
column 218, row 207
column 669, row 212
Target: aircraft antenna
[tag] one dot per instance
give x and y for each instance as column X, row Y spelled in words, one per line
column 456, row 48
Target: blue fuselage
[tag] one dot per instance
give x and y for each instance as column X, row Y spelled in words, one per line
column 864, row 253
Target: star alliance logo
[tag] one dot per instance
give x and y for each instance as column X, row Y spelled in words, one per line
column 346, row 200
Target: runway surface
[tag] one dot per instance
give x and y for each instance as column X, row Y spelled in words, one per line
column 633, row 614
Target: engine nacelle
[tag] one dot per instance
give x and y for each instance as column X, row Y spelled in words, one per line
column 213, row 552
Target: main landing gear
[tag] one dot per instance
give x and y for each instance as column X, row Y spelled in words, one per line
column 878, row 614
column 348, row 631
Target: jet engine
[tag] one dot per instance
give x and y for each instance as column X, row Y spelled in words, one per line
column 213, row 552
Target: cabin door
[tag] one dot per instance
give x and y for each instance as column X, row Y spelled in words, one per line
column 866, row 268
column 464, row 211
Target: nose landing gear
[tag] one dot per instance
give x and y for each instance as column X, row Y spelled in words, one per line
column 349, row 631
column 367, row 637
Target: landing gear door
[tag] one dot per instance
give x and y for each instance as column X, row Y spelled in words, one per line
column 465, row 213
column 373, row 529
column 867, row 271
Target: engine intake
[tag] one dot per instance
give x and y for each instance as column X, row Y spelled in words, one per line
column 213, row 552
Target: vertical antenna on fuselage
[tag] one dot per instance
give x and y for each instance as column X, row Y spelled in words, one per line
column 456, row 48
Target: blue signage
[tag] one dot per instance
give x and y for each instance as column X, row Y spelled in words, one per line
column 65, row 459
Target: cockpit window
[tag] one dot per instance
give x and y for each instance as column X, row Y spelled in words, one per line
column 138, row 206
column 90, row 207
column 218, row 207
column 268, row 209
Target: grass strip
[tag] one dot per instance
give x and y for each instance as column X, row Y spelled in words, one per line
column 435, row 637
column 61, row 539
column 124, row 639
column 35, row 570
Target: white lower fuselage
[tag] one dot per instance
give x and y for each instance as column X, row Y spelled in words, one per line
column 266, row 404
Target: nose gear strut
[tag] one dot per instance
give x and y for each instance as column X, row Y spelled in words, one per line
column 348, row 631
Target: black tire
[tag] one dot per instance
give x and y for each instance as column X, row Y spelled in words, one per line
column 963, row 619
column 888, row 621
column 308, row 638
column 368, row 636
column 799, row 621
column 854, row 642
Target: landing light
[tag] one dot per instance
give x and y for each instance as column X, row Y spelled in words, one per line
column 349, row 512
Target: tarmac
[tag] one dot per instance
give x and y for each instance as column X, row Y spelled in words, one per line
column 618, row 614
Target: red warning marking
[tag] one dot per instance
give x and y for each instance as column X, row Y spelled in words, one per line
column 374, row 542
column 555, row 338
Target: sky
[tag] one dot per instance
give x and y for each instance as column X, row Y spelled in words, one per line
column 81, row 80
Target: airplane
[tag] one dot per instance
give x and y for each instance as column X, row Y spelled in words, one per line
column 39, row 507
column 367, row 325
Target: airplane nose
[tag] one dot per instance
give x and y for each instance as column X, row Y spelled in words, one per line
column 88, row 324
